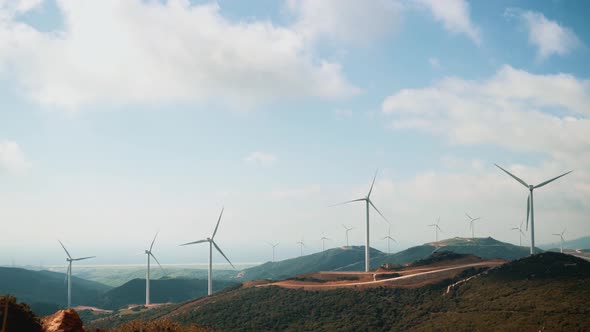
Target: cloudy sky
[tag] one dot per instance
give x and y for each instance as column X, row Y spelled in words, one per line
column 122, row 118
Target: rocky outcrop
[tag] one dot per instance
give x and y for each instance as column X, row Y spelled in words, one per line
column 62, row 321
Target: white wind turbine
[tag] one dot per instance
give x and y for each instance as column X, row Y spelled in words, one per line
column 69, row 274
column 520, row 233
column 211, row 245
column 323, row 239
column 147, row 274
column 471, row 222
column 368, row 202
column 301, row 245
column 436, row 229
column 347, row 230
column 560, row 239
column 273, row 249
column 389, row 239
column 529, row 206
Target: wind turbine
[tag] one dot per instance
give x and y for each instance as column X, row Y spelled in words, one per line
column 367, row 200
column 323, row 239
column 389, row 239
column 520, row 233
column 436, row 229
column 147, row 274
column 471, row 221
column 347, row 230
column 529, row 204
column 301, row 245
column 560, row 239
column 69, row 274
column 211, row 245
column 273, row 249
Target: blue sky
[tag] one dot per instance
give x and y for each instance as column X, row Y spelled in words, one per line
column 118, row 120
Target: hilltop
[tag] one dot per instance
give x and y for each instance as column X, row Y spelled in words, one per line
column 45, row 291
column 579, row 243
column 161, row 291
column 547, row 291
column 488, row 248
column 328, row 260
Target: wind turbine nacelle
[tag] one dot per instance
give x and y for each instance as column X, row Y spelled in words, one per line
column 531, row 187
column 147, row 252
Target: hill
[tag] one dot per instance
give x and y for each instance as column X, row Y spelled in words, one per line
column 488, row 248
column 45, row 291
column 161, row 291
column 547, row 291
column 328, row 260
column 579, row 243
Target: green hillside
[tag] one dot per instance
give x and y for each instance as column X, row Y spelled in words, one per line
column 328, row 260
column 548, row 291
column 161, row 291
column 482, row 247
column 579, row 243
column 44, row 291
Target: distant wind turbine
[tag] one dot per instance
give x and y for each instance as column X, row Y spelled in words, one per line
column 347, row 230
column 323, row 239
column 69, row 274
column 147, row 274
column 436, row 229
column 367, row 200
column 211, row 245
column 273, row 249
column 301, row 245
column 520, row 233
column 529, row 206
column 560, row 239
column 389, row 239
column 471, row 222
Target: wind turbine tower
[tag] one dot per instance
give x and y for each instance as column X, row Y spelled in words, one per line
column 389, row 239
column 323, row 239
column 560, row 239
column 147, row 273
column 273, row 249
column 436, row 229
column 368, row 203
column 530, row 212
column 471, row 222
column 520, row 233
column 301, row 245
column 69, row 274
column 347, row 230
column 211, row 245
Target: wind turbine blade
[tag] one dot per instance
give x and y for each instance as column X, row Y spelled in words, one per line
column 376, row 209
column 468, row 216
column 372, row 184
column 218, row 221
column 222, row 254
column 83, row 258
column 66, row 250
column 194, row 242
column 528, row 210
column 548, row 181
column 438, row 221
column 154, row 240
column 521, row 232
column 160, row 265
column 476, row 219
column 515, row 228
column 513, row 176
column 556, row 234
column 563, row 231
column 432, row 225
column 354, row 200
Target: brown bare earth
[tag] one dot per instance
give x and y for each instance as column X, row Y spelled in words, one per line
column 407, row 277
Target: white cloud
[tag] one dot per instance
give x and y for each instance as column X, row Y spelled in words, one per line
column 261, row 159
column 152, row 52
column 548, row 36
column 346, row 20
column 12, row 159
column 18, row 6
column 434, row 62
column 454, row 15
